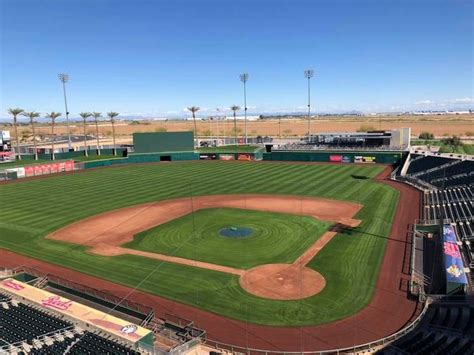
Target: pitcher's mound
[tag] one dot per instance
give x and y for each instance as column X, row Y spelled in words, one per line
column 282, row 281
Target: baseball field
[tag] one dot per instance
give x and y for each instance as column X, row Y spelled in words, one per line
column 349, row 261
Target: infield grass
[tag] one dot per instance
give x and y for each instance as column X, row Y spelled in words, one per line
column 349, row 263
column 276, row 237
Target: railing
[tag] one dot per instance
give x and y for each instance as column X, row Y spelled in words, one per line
column 5, row 349
column 354, row 349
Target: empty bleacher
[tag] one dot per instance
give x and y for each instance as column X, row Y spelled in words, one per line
column 448, row 185
column 21, row 322
column 421, row 163
column 456, row 205
column 440, row 172
column 25, row 329
column 446, row 328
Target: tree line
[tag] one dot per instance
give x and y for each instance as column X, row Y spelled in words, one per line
column 52, row 116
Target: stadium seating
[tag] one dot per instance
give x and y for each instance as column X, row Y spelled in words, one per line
column 23, row 325
column 457, row 206
column 441, row 172
column 418, row 164
column 445, row 329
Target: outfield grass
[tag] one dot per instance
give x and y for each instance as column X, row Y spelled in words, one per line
column 349, row 263
column 276, row 237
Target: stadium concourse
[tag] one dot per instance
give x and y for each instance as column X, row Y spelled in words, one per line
column 389, row 310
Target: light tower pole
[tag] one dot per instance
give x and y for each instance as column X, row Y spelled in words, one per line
column 64, row 78
column 308, row 74
column 244, row 77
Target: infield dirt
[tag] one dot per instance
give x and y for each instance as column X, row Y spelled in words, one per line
column 105, row 233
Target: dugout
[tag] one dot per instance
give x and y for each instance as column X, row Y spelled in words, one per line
column 336, row 156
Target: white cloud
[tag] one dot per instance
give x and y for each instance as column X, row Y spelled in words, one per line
column 465, row 100
column 424, row 102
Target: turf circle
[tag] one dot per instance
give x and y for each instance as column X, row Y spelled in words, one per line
column 236, row 232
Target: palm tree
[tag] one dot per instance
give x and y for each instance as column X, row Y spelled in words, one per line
column 194, row 109
column 15, row 112
column 96, row 115
column 52, row 116
column 84, row 116
column 235, row 108
column 32, row 115
column 112, row 116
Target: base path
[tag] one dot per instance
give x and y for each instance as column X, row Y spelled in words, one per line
column 105, row 233
column 119, row 226
column 389, row 310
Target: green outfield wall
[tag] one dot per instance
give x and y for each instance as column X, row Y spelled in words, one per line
column 75, row 154
column 337, row 156
column 157, row 142
column 162, row 156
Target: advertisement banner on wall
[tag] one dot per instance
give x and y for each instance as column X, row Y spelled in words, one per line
column 226, row 157
column 44, row 169
column 38, row 170
column 335, row 158
column 453, row 262
column 346, row 159
column 245, row 157
column 364, row 159
column 29, row 171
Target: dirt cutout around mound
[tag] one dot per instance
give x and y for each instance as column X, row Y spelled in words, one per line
column 105, row 233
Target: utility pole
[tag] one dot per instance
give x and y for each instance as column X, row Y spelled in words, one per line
column 64, row 78
column 244, row 77
column 309, row 73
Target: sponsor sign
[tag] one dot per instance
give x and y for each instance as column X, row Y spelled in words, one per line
column 346, row 159
column 453, row 263
column 78, row 311
column 29, row 171
column 364, row 159
column 226, row 157
column 335, row 158
column 207, row 157
column 245, row 157
column 44, row 169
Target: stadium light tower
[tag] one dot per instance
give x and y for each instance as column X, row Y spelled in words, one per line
column 64, row 78
column 308, row 74
column 244, row 77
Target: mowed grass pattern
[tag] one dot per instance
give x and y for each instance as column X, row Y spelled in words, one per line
column 276, row 237
column 350, row 262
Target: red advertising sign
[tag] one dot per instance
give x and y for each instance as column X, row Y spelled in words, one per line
column 244, row 157
column 29, row 171
column 69, row 165
column 335, row 158
column 45, row 169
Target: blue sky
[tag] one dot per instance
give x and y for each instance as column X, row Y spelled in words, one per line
column 154, row 58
